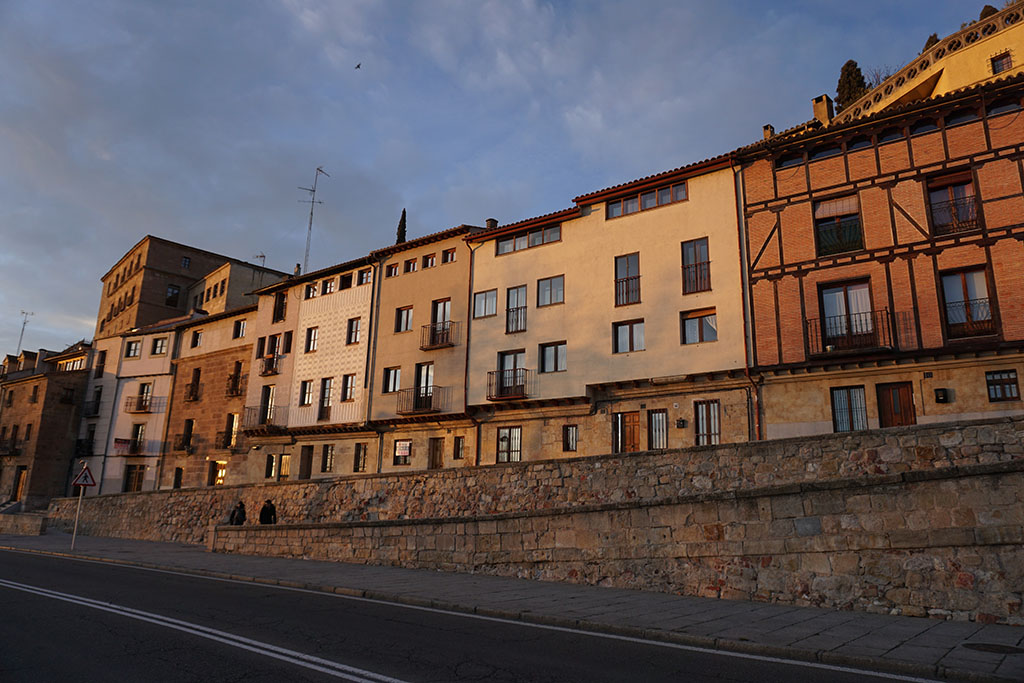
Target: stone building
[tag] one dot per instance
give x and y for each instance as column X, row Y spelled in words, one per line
column 40, row 397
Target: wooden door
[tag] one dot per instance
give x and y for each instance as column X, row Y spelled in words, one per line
column 305, row 462
column 19, row 482
column 436, row 453
column 896, row 404
column 626, row 432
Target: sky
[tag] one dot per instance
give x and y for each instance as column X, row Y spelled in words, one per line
column 198, row 121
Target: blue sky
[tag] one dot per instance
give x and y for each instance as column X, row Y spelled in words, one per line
column 197, row 121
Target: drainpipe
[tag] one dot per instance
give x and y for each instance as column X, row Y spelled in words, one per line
column 371, row 355
column 741, row 228
column 469, row 323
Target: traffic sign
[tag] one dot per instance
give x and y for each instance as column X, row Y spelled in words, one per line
column 84, row 478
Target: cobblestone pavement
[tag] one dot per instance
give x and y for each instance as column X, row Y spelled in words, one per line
column 915, row 646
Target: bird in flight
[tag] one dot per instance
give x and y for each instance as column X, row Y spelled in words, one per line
column 359, row 65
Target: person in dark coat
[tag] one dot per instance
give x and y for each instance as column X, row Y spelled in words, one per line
column 238, row 514
column 268, row 513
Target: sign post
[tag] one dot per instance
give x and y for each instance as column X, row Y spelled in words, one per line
column 83, row 479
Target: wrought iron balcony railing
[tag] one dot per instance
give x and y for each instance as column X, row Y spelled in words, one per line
column 957, row 215
column 271, row 365
column 136, row 447
column 439, row 335
column 839, row 237
column 83, row 448
column 697, row 277
column 193, row 391
column 850, row 332
column 228, row 440
column 426, row 399
column 627, row 290
column 515, row 320
column 509, row 384
column 234, row 386
column 971, row 318
column 183, row 442
column 138, row 404
column 265, row 417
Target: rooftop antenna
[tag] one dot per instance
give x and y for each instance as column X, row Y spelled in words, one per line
column 24, row 315
column 313, row 201
column 263, row 264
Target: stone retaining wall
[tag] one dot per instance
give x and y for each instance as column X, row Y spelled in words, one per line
column 23, row 524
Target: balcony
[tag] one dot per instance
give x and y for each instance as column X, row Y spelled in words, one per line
column 228, row 440
column 271, row 365
column 193, row 391
column 9, row 447
column 971, row 318
column 440, row 335
column 515, row 320
column 627, row 290
column 851, row 332
column 265, row 417
column 839, row 237
column 136, row 447
column 509, row 384
column 234, row 386
column 83, row 448
column 323, row 413
column 426, row 399
column 958, row 215
column 183, row 442
column 138, row 404
column 91, row 409
column 697, row 277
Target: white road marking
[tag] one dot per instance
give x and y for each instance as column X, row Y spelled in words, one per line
column 338, row 670
column 515, row 622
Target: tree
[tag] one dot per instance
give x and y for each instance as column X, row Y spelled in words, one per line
column 986, row 12
column 932, row 39
column 401, row 229
column 851, row 86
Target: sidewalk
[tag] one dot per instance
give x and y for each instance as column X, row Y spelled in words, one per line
column 908, row 645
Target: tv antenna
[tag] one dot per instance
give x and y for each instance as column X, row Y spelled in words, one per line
column 24, row 315
column 313, row 201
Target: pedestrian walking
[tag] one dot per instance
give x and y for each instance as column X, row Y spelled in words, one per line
column 238, row 515
column 268, row 513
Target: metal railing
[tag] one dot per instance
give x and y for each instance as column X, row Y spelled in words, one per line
column 505, row 384
column 957, row 215
column 427, row 399
column 697, row 277
column 83, row 448
column 183, row 442
column 193, row 391
column 271, row 365
column 257, row 417
column 836, row 237
column 853, row 331
column 627, row 290
column 971, row 318
column 138, row 404
column 515, row 320
column 439, row 335
column 223, row 440
column 234, row 386
column 136, row 446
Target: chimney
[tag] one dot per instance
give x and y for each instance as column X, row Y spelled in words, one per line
column 769, row 131
column 298, row 269
column 823, row 109
column 492, row 223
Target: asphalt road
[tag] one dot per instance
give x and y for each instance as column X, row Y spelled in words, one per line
column 70, row 620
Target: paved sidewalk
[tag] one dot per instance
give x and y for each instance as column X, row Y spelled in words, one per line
column 914, row 646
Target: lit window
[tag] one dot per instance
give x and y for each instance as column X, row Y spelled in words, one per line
column 306, row 392
column 363, row 276
column 530, row 238
column 327, row 286
column 159, row 346
column 310, row 291
column 327, row 458
column 403, row 452
column 348, row 384
column 197, row 338
column 359, row 458
column 510, row 444
column 657, row 429
column 410, row 265
column 707, row 428
column 391, row 270
column 239, row 329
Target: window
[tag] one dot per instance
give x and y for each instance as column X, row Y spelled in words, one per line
column 101, row 363
column 459, row 444
column 824, row 152
column 570, row 438
column 306, row 392
column 392, row 380
column 429, row 260
column 348, row 383
column 698, row 326
column 345, row 281
column 403, row 452
column 67, row 395
column 133, row 349
column 961, row 116
column 391, row 270
column 968, row 310
column 197, row 338
column 530, row 238
column 311, row 338
column 628, row 336
column 849, row 409
column 159, row 346
column 352, row 331
column 327, row 458
column 261, row 346
column 1002, row 107
column 890, row 135
column 403, row 319
column 515, row 309
column 280, row 306
column 627, row 279
column 485, row 304
column 171, row 297
column 223, row 286
column 551, row 290
column 657, row 430
column 326, row 384
column 923, row 126
column 448, row 256
column 410, row 265
column 648, row 199
column 310, row 291
column 208, row 294
column 238, row 331
column 696, row 266
column 510, row 444
column 789, row 160
column 269, row 469
column 861, row 142
column 837, row 226
column 327, row 286
column 952, row 204
column 133, row 477
column 847, row 319
column 186, row 262
column 552, row 357
column 28, row 431
column 363, row 276
column 286, row 342
column 1002, row 385
column 34, row 396
column 1001, row 63
column 359, row 458
column 706, row 422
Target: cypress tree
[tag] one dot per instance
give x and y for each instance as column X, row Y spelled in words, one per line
column 851, row 86
column 932, row 39
column 401, row 229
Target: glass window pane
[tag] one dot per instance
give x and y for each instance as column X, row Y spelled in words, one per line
column 614, row 209
column 638, row 336
column 553, row 234
column 630, row 205
column 558, row 289
column 561, row 359
column 952, row 288
column 665, row 195
column 648, row 200
column 505, row 246
column 679, row 192
column 691, row 330
column 710, row 323
column 621, row 338
column 521, row 242
column 976, row 285
column 536, row 238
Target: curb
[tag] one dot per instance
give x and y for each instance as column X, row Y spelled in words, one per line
column 860, row 662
